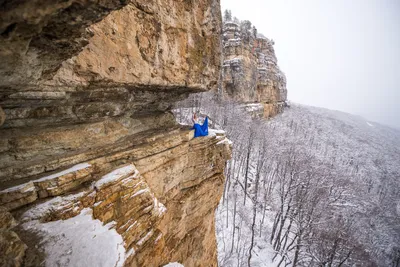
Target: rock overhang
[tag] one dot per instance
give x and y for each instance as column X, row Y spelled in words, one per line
column 90, row 84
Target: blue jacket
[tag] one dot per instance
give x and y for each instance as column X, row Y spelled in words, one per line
column 201, row 130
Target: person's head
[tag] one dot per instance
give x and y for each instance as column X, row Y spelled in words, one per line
column 194, row 115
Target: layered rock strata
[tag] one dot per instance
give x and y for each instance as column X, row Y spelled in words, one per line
column 86, row 88
column 250, row 71
column 160, row 194
column 137, row 60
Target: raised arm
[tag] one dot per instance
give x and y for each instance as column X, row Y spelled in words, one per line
column 194, row 118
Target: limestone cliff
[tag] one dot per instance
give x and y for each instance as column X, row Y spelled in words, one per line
column 86, row 88
column 250, row 71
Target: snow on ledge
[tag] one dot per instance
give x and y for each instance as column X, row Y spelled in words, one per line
column 159, row 207
column 216, row 131
column 173, row 264
column 56, row 203
column 80, row 241
column 30, row 186
column 22, row 188
column 225, row 141
column 75, row 168
column 117, row 174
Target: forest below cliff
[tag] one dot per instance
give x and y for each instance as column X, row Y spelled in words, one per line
column 310, row 187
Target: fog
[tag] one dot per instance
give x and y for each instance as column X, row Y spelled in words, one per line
column 342, row 55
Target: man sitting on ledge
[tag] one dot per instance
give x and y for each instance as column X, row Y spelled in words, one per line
column 199, row 130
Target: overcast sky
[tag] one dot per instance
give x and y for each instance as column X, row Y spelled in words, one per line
column 340, row 54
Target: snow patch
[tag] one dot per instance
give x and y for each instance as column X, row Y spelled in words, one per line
column 29, row 186
column 23, row 188
column 56, row 203
column 145, row 238
column 158, row 238
column 140, row 192
column 173, row 264
column 225, row 141
column 80, row 241
column 220, row 132
column 159, row 206
column 70, row 170
column 116, row 175
column 131, row 252
column 129, row 228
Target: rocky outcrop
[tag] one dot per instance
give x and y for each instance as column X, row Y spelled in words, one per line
column 137, row 60
column 12, row 248
column 250, row 71
column 86, row 88
column 160, row 196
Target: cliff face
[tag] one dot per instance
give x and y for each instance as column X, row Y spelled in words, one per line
column 88, row 138
column 250, row 71
column 137, row 60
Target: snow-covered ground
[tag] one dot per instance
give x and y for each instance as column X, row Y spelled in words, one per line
column 330, row 177
column 79, row 241
column 364, row 155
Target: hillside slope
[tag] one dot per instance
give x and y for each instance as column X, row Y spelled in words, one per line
column 322, row 187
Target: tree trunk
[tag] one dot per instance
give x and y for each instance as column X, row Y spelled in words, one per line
column 233, row 224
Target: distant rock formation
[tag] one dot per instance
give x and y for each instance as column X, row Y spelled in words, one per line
column 87, row 88
column 250, row 72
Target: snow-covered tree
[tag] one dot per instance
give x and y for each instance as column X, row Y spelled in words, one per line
column 310, row 187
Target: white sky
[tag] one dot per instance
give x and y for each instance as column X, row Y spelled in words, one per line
column 341, row 54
